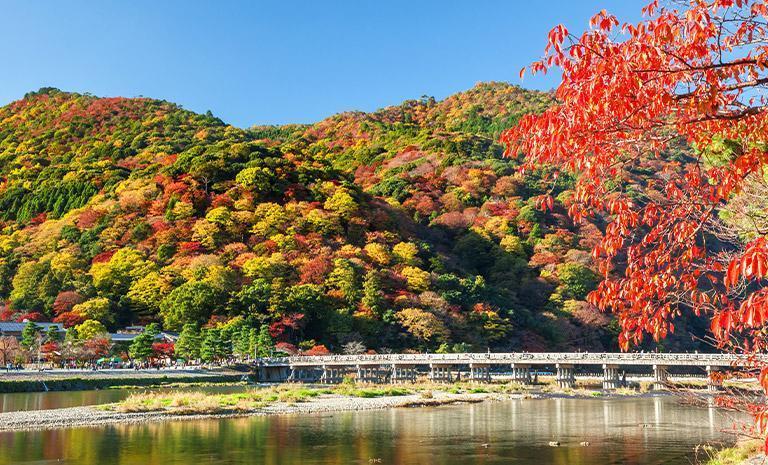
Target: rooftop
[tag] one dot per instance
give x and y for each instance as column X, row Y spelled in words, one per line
column 15, row 327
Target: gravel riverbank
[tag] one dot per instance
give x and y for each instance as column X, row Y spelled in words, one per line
column 81, row 380
column 92, row 416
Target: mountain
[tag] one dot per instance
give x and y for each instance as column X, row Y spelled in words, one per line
column 401, row 228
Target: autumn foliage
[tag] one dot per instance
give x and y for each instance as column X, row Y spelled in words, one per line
column 389, row 228
column 691, row 74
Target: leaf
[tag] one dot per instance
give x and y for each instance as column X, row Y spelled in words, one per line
column 732, row 275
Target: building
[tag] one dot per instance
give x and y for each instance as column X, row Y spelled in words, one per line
column 12, row 328
column 126, row 335
column 129, row 333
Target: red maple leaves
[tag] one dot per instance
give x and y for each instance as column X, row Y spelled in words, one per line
column 631, row 93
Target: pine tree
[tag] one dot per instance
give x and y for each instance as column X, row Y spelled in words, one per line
column 71, row 335
column 253, row 335
column 373, row 296
column 241, row 342
column 212, row 348
column 188, row 344
column 264, row 342
column 29, row 335
column 53, row 334
column 141, row 347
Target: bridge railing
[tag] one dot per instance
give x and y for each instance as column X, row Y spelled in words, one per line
column 643, row 358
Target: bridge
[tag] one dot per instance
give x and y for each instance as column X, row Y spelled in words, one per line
column 525, row 366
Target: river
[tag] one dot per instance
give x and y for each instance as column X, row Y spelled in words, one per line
column 640, row 430
column 20, row 401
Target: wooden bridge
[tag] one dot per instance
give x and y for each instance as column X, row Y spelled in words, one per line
column 524, row 366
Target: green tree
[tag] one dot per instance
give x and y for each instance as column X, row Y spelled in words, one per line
column 213, row 347
column 53, row 335
column 141, row 346
column 256, row 178
column 373, row 294
column 576, row 281
column 192, row 302
column 342, row 203
column 344, row 278
column 241, row 342
column 263, row 344
column 30, row 335
column 146, row 293
column 71, row 335
column 188, row 344
column 115, row 276
column 253, row 299
column 34, row 286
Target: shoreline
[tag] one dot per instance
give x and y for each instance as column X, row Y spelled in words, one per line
column 85, row 380
column 744, row 452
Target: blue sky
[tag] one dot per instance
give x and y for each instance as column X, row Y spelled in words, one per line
column 262, row 62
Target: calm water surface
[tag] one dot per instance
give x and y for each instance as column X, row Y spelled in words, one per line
column 18, row 401
column 620, row 431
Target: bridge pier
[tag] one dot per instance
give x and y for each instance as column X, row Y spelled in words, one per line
column 660, row 376
column 566, row 376
column 332, row 375
column 480, row 372
column 302, row 375
column 440, row 373
column 403, row 374
column 370, row 374
column 268, row 374
column 521, row 373
column 611, row 379
column 714, row 380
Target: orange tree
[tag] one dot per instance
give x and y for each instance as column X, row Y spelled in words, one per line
column 692, row 71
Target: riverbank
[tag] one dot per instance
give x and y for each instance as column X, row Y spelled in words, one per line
column 81, row 380
column 748, row 452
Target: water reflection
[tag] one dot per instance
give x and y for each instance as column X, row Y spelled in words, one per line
column 19, row 401
column 620, row 431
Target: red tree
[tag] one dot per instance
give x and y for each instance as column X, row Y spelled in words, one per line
column 288, row 324
column 65, row 300
column 50, row 351
column 96, row 348
column 30, row 316
column 317, row 350
column 162, row 349
column 693, row 72
column 69, row 319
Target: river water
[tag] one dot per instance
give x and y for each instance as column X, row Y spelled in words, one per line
column 20, row 401
column 647, row 430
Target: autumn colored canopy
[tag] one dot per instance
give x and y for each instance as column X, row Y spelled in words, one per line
column 691, row 74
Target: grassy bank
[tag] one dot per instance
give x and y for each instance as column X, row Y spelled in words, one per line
column 736, row 455
column 250, row 400
column 258, row 398
column 85, row 384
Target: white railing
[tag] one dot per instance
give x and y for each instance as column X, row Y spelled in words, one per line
column 579, row 358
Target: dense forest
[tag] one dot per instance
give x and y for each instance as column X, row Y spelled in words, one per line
column 405, row 228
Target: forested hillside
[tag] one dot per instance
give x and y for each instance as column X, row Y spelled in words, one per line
column 405, row 228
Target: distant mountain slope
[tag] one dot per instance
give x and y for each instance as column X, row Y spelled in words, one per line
column 401, row 228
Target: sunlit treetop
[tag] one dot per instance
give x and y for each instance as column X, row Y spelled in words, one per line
column 695, row 71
